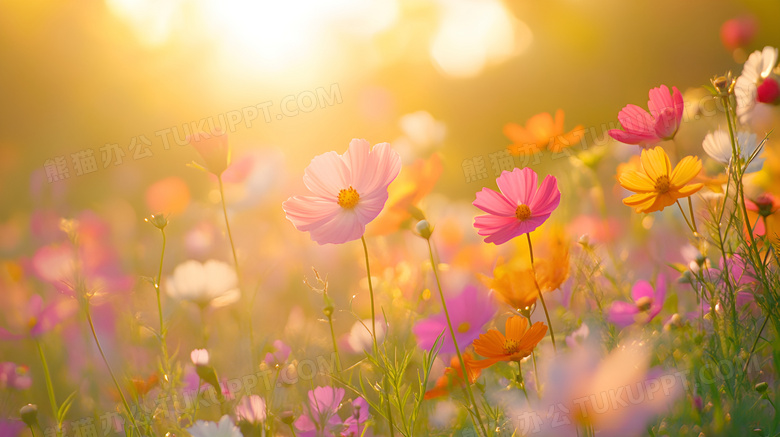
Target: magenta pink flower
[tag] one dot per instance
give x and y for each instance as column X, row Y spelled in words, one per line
column 279, row 356
column 519, row 208
column 469, row 312
column 647, row 304
column 14, row 376
column 39, row 319
column 349, row 190
column 660, row 124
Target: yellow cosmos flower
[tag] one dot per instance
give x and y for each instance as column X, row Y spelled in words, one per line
column 657, row 185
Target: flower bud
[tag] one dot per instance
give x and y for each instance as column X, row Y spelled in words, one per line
column 761, row 387
column 213, row 148
column 287, row 417
column 159, row 221
column 29, row 414
column 200, row 357
column 329, row 306
column 424, row 229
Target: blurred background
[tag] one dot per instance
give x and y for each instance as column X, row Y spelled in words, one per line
column 85, row 75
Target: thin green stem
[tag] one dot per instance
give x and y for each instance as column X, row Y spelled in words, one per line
column 227, row 226
column 373, row 329
column 687, row 222
column 292, row 429
column 482, row 429
column 541, row 297
column 693, row 217
column 32, row 431
column 371, row 294
column 521, row 381
column 111, row 372
column 335, row 344
column 49, row 388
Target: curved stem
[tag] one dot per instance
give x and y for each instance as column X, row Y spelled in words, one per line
column 111, row 372
column 227, row 226
column 541, row 297
column 482, row 429
column 49, row 388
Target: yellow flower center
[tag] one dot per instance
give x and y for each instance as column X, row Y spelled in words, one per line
column 464, row 327
column 644, row 303
column 348, row 198
column 510, row 346
column 32, row 322
column 662, row 184
column 522, row 212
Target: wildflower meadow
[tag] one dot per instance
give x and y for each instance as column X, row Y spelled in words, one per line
column 354, row 256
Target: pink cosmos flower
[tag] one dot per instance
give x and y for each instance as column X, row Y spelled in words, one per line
column 321, row 417
column 14, row 376
column 213, row 148
column 40, row 319
column 279, row 356
column 647, row 304
column 660, row 124
column 251, row 409
column 356, row 423
column 469, row 312
column 519, row 208
column 349, row 191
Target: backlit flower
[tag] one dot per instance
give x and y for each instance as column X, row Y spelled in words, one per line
column 225, row 428
column 518, row 343
column 211, row 283
column 349, row 190
column 320, row 416
column 39, row 319
column 279, row 355
column 757, row 84
column 469, row 312
column 658, row 185
column 647, row 303
column 213, row 148
column 519, row 208
column 356, row 423
column 541, row 131
column 660, row 124
column 738, row 32
column 251, row 409
column 200, row 357
column 453, row 377
column 718, row 145
column 14, row 376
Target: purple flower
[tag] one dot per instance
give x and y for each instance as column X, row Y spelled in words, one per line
column 14, row 376
column 356, row 422
column 469, row 312
column 40, row 319
column 279, row 356
column 320, row 418
column 11, row 428
column 647, row 304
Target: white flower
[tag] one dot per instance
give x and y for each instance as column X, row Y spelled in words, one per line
column 359, row 338
column 212, row 283
column 718, row 145
column 225, row 428
column 757, row 68
column 252, row 409
column 200, row 357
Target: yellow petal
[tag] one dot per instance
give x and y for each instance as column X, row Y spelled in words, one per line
column 655, row 163
column 689, row 189
column 640, row 201
column 687, row 169
column 636, row 182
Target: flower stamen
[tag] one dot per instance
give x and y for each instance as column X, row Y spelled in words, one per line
column 510, row 346
column 348, row 198
column 663, row 184
column 523, row 212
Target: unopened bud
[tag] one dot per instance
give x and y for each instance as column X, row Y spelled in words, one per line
column 29, row 414
column 424, row 229
column 761, row 387
column 159, row 221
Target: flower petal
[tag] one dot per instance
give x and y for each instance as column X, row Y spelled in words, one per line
column 327, row 175
column 518, row 186
column 493, row 202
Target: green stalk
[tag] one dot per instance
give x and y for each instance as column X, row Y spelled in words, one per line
column 49, row 388
column 541, row 297
column 482, row 429
column 111, row 372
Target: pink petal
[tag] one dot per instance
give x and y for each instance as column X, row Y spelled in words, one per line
column 518, row 186
column 369, row 207
column 660, row 100
column 360, row 166
column 379, row 168
column 547, row 198
column 491, row 223
column 632, row 138
column 622, row 314
column 53, row 315
column 637, row 121
column 344, row 226
column 666, row 124
column 327, row 175
column 679, row 104
column 642, row 289
column 494, row 203
column 308, row 212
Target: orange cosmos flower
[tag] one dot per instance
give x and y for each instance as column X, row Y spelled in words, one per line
column 657, row 185
column 541, row 131
column 453, row 377
column 518, row 343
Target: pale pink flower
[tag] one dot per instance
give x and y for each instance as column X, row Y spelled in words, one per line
column 349, row 191
column 660, row 124
column 519, row 208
